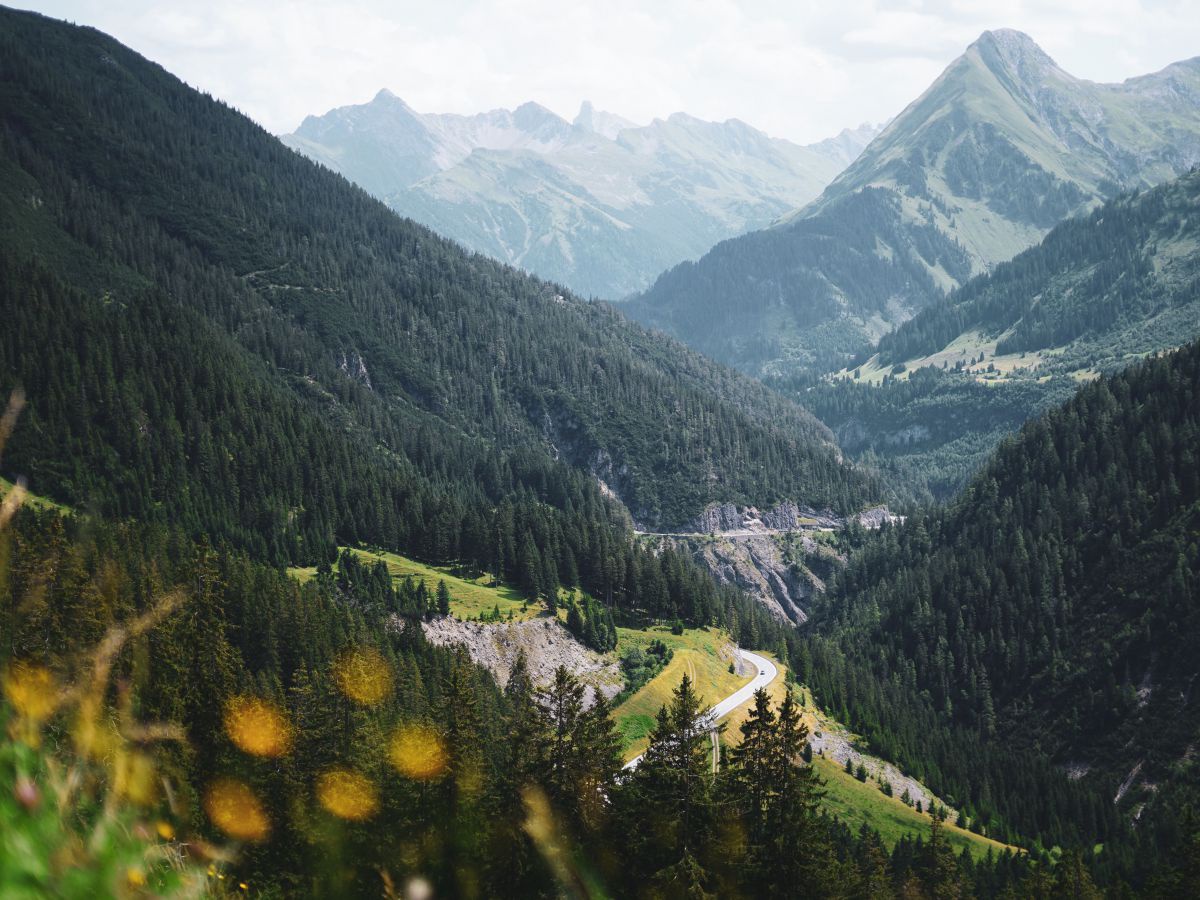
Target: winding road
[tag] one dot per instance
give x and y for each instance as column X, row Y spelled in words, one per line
column 766, row 672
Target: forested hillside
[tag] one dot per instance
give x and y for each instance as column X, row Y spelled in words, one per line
column 1050, row 610
column 1000, row 148
column 215, row 331
column 1099, row 293
column 223, row 360
column 230, row 731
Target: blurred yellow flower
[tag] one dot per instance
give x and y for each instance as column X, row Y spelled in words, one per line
column 347, row 794
column 135, row 877
column 236, row 810
column 257, row 727
column 417, row 752
column 165, row 831
column 364, row 676
column 134, row 777
column 32, row 690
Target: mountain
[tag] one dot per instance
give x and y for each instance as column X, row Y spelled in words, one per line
column 599, row 205
column 1052, row 607
column 1098, row 293
column 235, row 361
column 597, row 121
column 845, row 147
column 277, row 360
column 1001, row 147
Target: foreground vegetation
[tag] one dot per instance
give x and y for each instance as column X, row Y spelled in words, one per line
column 298, row 741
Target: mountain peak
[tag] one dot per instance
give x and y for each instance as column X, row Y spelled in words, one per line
column 387, row 96
column 1009, row 50
column 600, row 122
column 530, row 116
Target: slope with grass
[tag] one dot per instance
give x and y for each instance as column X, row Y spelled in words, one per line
column 704, row 655
column 470, row 596
column 855, row 802
column 1100, row 293
column 37, row 502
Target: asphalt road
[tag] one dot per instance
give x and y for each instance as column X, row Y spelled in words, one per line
column 766, row 672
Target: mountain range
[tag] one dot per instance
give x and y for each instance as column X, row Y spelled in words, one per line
column 1000, row 148
column 599, row 204
column 280, row 438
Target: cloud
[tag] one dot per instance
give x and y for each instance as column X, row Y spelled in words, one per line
column 795, row 68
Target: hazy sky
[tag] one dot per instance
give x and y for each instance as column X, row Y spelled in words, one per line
column 800, row 69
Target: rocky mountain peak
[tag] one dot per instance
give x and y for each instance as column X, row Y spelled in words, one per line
column 1007, row 51
column 598, row 121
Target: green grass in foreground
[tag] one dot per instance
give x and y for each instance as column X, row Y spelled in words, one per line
column 702, row 653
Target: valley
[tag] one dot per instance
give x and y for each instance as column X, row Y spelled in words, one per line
column 707, row 656
column 1099, row 294
column 361, row 551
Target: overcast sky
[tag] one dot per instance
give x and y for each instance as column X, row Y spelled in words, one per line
column 800, row 69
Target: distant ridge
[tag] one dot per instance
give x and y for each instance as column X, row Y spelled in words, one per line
column 999, row 149
column 600, row 204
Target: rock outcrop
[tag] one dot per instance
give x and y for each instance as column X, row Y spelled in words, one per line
column 781, row 570
column 547, row 645
column 787, row 516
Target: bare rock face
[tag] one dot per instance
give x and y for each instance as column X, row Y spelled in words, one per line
column 757, row 567
column 722, row 517
column 878, row 516
column 782, row 570
column 787, row 516
column 547, row 645
column 774, row 555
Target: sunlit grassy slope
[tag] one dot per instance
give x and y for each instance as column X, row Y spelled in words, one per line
column 704, row 654
column 468, row 597
column 855, row 802
column 32, row 499
column 969, row 345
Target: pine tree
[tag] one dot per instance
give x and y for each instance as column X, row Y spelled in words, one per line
column 796, row 852
column 671, row 792
column 754, row 764
column 940, row 871
column 516, row 866
column 563, row 762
